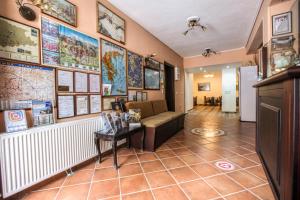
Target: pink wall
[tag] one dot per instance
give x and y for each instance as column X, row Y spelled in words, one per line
column 226, row 57
column 137, row 38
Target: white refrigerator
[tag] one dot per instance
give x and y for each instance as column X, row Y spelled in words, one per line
column 247, row 93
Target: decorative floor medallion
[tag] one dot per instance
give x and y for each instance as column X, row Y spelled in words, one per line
column 223, row 165
column 205, row 132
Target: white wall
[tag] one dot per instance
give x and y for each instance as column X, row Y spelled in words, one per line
column 229, row 90
column 189, row 80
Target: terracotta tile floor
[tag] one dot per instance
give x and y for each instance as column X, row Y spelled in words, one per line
column 182, row 168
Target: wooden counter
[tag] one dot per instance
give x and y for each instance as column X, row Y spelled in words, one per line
column 277, row 137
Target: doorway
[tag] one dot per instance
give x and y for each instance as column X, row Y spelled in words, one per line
column 170, row 86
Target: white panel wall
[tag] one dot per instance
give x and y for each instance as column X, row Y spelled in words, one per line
column 248, row 78
column 189, row 81
column 229, row 90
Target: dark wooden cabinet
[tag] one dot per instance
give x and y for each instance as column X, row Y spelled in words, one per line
column 277, row 139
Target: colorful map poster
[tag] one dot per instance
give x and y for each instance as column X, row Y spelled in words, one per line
column 26, row 82
column 65, row 47
column 113, row 59
column 19, row 41
column 135, row 71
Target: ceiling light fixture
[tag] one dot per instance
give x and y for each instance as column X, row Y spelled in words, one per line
column 192, row 23
column 208, row 52
column 27, row 12
column 208, row 76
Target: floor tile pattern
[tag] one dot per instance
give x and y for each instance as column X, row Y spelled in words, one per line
column 182, row 168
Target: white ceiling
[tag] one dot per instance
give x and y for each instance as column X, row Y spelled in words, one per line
column 229, row 22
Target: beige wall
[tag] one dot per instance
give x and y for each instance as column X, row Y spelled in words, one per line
column 226, row 57
column 215, row 86
column 137, row 38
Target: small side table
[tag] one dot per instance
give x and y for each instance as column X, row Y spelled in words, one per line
column 121, row 134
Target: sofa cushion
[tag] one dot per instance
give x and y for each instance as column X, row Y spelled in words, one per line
column 159, row 106
column 146, row 108
column 171, row 114
column 156, row 120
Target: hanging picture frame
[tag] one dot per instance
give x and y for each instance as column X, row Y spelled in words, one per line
column 62, row 10
column 65, row 106
column 134, row 70
column 106, row 103
column 95, row 103
column 64, row 81
column 144, row 96
column 81, row 82
column 110, row 24
column 94, row 83
column 139, row 96
column 151, row 63
column 82, row 104
column 23, row 45
column 151, row 79
column 131, row 95
column 282, row 24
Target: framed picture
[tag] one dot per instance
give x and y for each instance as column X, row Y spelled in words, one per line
column 94, row 83
column 151, row 63
column 22, row 45
column 151, row 79
column 139, row 96
column 110, row 24
column 106, row 103
column 42, row 112
column 65, row 81
column 81, row 82
column 144, row 96
column 135, row 71
column 62, row 10
column 114, row 72
column 59, row 47
column 203, row 86
column 95, row 103
column 82, row 104
column 122, row 99
column 282, row 24
column 65, row 106
column 131, row 95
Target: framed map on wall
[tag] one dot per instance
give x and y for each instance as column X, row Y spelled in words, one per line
column 62, row 10
column 135, row 70
column 110, row 24
column 65, row 47
column 113, row 58
column 19, row 41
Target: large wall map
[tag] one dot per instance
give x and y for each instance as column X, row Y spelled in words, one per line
column 26, row 82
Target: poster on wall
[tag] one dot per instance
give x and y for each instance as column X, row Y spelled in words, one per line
column 65, row 106
column 65, row 47
column 110, row 24
column 81, row 82
column 26, row 82
column 107, row 103
column 15, row 120
column 94, row 83
column 152, row 79
column 62, row 10
column 203, row 87
column 113, row 59
column 82, row 105
column 19, row 41
column 95, row 104
column 65, row 82
column 135, row 70
column 42, row 112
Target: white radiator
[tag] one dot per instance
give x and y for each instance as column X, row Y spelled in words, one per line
column 31, row 156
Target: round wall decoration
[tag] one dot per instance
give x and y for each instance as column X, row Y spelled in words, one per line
column 224, row 165
column 205, row 132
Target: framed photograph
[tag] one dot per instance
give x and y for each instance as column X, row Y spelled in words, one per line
column 106, row 103
column 151, row 79
column 110, row 24
column 65, row 81
column 62, row 10
column 139, row 96
column 65, row 106
column 203, row 86
column 106, row 89
column 22, row 45
column 59, row 47
column 117, row 106
column 81, row 82
column 82, row 104
column 131, row 95
column 144, row 96
column 114, row 71
column 135, row 71
column 94, row 83
column 95, row 103
column 151, row 63
column 282, row 24
column 122, row 99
